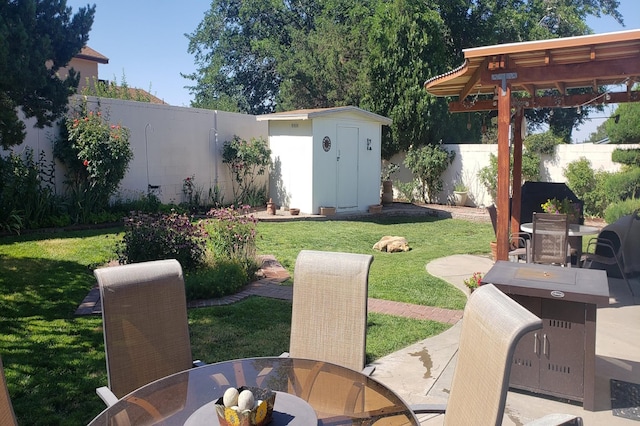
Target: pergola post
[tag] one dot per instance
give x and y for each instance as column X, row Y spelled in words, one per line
column 516, row 190
column 504, row 119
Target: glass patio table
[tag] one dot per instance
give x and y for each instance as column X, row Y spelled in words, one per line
column 575, row 230
column 307, row 392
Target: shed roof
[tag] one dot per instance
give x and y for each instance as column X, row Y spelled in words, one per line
column 573, row 62
column 308, row 114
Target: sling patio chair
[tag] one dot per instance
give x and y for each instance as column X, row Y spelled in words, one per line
column 7, row 416
column 329, row 312
column 144, row 316
column 518, row 242
column 608, row 252
column 492, row 325
column 550, row 239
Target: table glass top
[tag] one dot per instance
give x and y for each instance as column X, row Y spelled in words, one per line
column 337, row 395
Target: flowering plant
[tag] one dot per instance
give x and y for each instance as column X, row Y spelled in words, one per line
column 474, row 281
column 566, row 206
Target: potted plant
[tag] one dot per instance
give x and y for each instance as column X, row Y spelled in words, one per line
column 565, row 206
column 460, row 193
column 474, row 281
column 387, row 183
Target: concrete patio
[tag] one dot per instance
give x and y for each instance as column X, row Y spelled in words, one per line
column 422, row 372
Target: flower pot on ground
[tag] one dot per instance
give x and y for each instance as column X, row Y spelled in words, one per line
column 327, row 211
column 460, row 197
column 271, row 207
column 387, row 192
column 494, row 250
column 375, row 208
column 473, row 281
column 294, row 211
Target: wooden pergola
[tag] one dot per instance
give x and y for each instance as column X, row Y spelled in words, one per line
column 542, row 72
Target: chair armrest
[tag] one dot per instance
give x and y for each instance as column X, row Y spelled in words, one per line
column 428, row 408
column 557, row 420
column 106, row 395
column 368, row 370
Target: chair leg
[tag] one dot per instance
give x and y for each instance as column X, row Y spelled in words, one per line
column 624, row 277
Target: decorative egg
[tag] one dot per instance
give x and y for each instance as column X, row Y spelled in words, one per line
column 245, row 400
column 230, row 397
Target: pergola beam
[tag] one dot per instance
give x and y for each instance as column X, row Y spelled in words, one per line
column 549, row 101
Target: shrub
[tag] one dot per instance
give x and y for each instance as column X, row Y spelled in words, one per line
column 155, row 237
column 407, row 190
column 629, row 157
column 246, row 161
column 581, row 179
column 621, row 208
column 27, row 193
column 542, row 143
column 96, row 155
column 488, row 175
column 232, row 236
column 623, row 185
column 428, row 163
column 219, row 278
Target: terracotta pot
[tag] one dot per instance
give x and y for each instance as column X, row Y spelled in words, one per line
column 494, row 250
column 327, row 211
column 294, row 211
column 375, row 208
column 271, row 207
column 387, row 192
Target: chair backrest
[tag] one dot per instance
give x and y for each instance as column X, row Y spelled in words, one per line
column 329, row 313
column 493, row 215
column 7, row 416
column 144, row 315
column 492, row 325
column 549, row 241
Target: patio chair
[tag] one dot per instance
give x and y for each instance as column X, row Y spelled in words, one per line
column 144, row 316
column 492, row 325
column 602, row 250
column 550, row 239
column 7, row 416
column 518, row 243
column 329, row 313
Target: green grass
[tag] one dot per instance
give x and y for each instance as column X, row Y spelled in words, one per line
column 55, row 360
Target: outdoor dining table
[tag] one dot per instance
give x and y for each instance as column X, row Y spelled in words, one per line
column 575, row 230
column 307, row 392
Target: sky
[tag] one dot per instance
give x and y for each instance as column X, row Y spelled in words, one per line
column 145, row 41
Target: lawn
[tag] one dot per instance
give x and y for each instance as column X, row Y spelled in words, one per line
column 55, row 360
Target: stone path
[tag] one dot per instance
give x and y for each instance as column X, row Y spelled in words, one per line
column 270, row 286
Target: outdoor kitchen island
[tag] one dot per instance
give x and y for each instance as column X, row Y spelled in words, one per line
column 558, row 360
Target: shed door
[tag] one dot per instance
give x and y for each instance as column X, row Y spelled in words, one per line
column 347, row 181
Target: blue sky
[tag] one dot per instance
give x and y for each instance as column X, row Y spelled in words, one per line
column 145, row 40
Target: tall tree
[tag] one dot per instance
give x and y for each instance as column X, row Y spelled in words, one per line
column 259, row 56
column 408, row 43
column 624, row 126
column 37, row 38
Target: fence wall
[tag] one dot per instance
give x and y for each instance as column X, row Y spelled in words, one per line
column 169, row 144
column 470, row 158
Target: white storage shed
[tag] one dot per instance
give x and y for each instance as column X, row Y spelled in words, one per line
column 327, row 157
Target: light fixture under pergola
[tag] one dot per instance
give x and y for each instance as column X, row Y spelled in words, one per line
column 542, row 72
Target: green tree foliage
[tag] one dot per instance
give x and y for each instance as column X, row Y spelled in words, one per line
column 629, row 157
column 37, row 38
column 396, row 74
column 624, row 126
column 259, row 56
column 428, row 163
column 542, row 143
